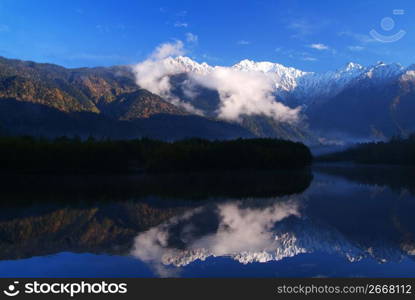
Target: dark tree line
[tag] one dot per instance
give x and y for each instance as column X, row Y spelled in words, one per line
column 76, row 155
column 397, row 151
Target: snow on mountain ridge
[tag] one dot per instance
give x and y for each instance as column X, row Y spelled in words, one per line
column 384, row 71
column 187, row 65
column 301, row 85
column 303, row 239
column 284, row 78
column 267, row 67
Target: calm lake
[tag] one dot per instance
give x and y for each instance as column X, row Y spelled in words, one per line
column 329, row 221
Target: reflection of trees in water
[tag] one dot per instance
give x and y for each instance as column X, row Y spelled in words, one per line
column 337, row 216
column 243, row 230
column 180, row 186
column 236, row 220
column 397, row 178
column 372, row 205
column 42, row 229
column 262, row 231
column 44, row 214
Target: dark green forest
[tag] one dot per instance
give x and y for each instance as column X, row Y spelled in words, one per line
column 29, row 154
column 397, row 151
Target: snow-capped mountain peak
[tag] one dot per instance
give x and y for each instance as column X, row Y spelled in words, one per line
column 384, row 71
column 301, row 85
column 267, row 67
column 351, row 66
column 187, row 65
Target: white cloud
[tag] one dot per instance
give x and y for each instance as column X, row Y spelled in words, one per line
column 168, row 49
column 241, row 92
column 210, row 57
column 319, row 46
column 182, row 13
column 239, row 231
column 308, row 58
column 356, row 48
column 245, row 229
column 296, row 55
column 245, row 93
column 181, row 24
column 243, row 42
column 154, row 73
column 192, row 38
column 362, row 38
column 301, row 27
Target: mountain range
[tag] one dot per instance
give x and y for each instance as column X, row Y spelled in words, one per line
column 49, row 100
column 352, row 103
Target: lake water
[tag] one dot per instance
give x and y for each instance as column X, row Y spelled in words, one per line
column 330, row 221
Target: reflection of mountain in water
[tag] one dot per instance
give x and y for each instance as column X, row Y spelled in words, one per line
column 183, row 186
column 254, row 222
column 247, row 234
column 258, row 234
column 334, row 216
column 397, row 178
column 105, row 213
column 36, row 230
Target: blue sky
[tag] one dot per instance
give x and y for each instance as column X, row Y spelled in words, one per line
column 312, row 35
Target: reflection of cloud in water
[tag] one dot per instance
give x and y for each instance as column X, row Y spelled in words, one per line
column 273, row 229
column 152, row 245
column 239, row 232
column 245, row 229
column 246, row 234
